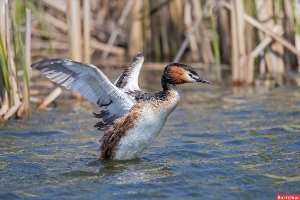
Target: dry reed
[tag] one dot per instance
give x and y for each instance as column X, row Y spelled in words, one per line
column 262, row 33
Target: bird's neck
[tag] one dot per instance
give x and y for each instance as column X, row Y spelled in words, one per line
column 165, row 84
column 167, row 87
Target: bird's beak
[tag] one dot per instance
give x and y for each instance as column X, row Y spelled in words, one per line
column 202, row 80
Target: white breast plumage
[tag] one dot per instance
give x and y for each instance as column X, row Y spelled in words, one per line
column 152, row 119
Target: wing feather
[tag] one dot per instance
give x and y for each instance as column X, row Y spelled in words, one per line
column 128, row 80
column 87, row 80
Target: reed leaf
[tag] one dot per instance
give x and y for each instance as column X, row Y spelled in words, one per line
column 216, row 47
column 297, row 24
column 145, row 22
column 20, row 10
column 215, row 40
column 20, row 60
column 4, row 69
column 22, row 57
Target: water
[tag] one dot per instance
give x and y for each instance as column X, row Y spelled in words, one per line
column 219, row 143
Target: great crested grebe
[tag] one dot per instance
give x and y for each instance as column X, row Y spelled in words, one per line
column 130, row 118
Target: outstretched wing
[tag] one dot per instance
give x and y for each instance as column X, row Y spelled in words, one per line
column 88, row 81
column 128, row 80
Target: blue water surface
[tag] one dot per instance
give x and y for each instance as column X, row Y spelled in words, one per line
column 220, row 143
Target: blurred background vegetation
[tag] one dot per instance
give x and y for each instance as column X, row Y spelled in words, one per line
column 258, row 41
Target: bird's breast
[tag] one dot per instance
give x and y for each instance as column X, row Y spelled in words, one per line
column 147, row 126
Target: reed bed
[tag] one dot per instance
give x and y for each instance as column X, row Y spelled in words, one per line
column 256, row 39
column 15, row 61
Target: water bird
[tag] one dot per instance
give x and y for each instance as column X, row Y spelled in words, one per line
column 129, row 117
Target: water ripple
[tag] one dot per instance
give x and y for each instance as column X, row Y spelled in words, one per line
column 223, row 145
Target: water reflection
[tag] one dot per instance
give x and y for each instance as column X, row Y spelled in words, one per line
column 123, row 172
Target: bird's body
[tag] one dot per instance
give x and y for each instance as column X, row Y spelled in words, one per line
column 140, row 126
column 130, row 118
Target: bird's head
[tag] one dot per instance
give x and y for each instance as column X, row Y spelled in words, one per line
column 178, row 73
